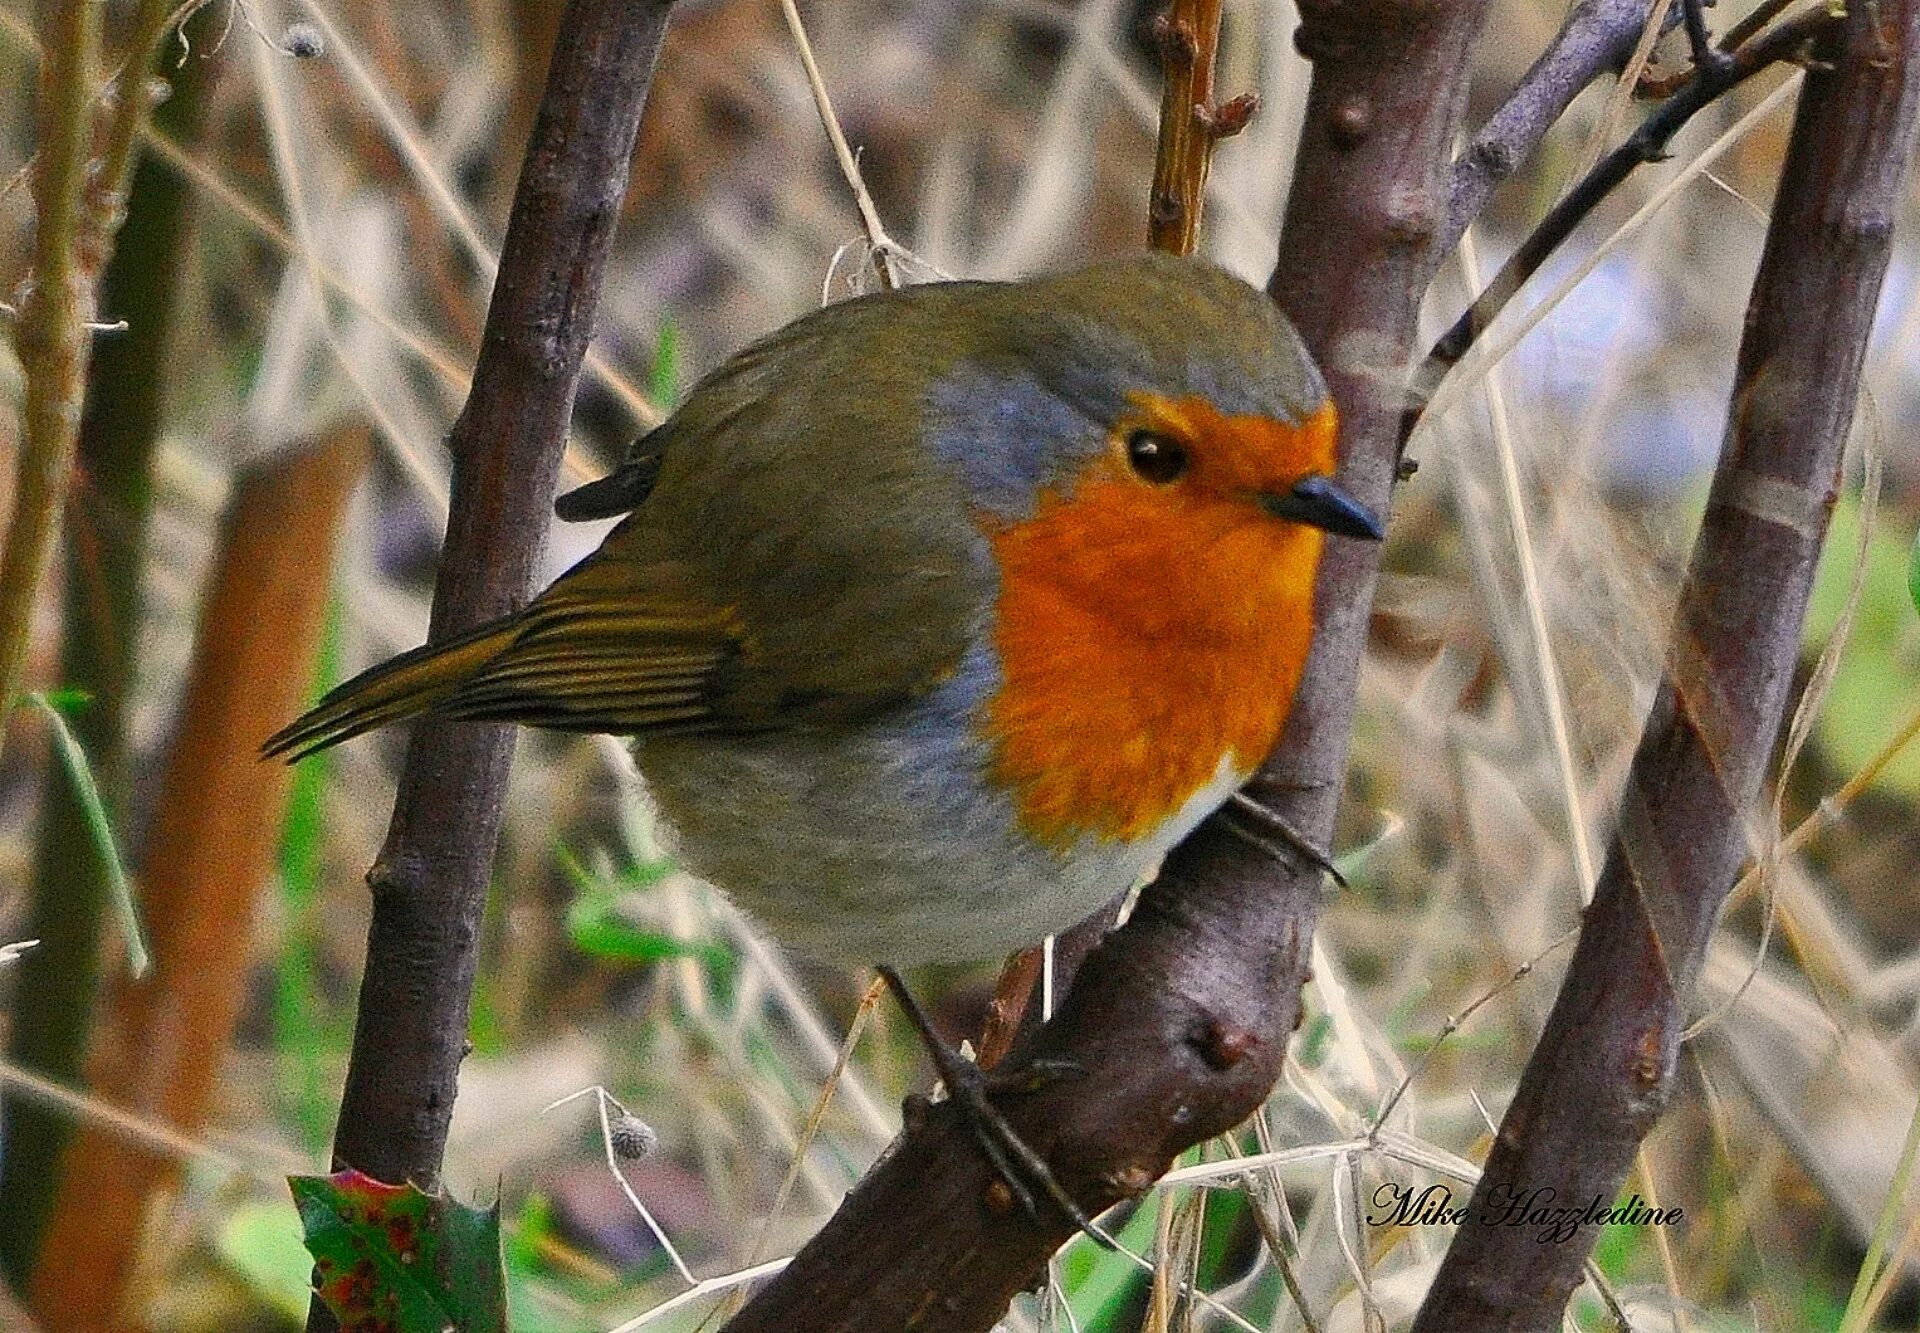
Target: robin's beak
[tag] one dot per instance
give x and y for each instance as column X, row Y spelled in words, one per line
column 1319, row 502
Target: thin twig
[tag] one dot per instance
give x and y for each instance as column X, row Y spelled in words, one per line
column 145, row 1131
column 879, row 242
column 125, row 113
column 1188, row 35
column 1485, row 355
column 1452, row 1025
column 411, row 455
column 817, row 1116
column 52, row 340
column 1599, row 35
column 1546, row 664
column 1622, row 91
column 603, row 1103
column 405, row 136
column 1645, row 144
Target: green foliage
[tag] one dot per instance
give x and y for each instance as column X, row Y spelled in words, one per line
column 69, row 700
column 1103, row 1285
column 529, row 1275
column 598, row 928
column 1878, row 682
column 393, row 1258
column 304, row 1032
column 1913, row 573
column 120, row 889
column 260, row 1241
column 663, row 379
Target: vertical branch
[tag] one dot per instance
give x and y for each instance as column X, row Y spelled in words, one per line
column 53, row 333
column 1604, row 1067
column 430, row 881
column 1189, row 38
column 105, row 540
column 1180, row 1019
column 1360, row 245
column 1190, row 123
column 77, row 213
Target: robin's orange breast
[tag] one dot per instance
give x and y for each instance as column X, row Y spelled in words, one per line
column 1145, row 636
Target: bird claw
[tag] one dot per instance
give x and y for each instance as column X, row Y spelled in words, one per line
column 1016, row 1165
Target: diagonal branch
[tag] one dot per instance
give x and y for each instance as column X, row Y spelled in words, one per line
column 1604, row 1068
column 430, row 881
column 1179, row 1021
column 1646, row 144
column 1599, row 35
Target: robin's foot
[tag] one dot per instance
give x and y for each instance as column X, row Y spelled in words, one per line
column 1266, row 829
column 1022, row 1170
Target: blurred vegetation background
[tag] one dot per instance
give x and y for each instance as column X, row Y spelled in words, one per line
column 256, row 514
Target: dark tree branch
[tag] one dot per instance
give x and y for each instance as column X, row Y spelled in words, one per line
column 1599, row 35
column 1180, row 1019
column 1604, row 1067
column 430, row 881
column 1646, row 144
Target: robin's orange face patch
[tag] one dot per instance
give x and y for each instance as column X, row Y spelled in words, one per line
column 1232, row 457
column 1150, row 625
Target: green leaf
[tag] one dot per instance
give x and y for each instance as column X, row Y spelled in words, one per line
column 663, row 382
column 306, row 1032
column 597, row 929
column 636, row 875
column 1913, row 573
column 1100, row 1284
column 69, row 699
column 393, row 1259
column 260, row 1241
column 1878, row 682
column 119, row 887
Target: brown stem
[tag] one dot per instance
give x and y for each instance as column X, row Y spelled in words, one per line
column 430, row 881
column 1189, row 38
column 216, row 829
column 1178, row 1021
column 1012, row 995
column 1604, row 1067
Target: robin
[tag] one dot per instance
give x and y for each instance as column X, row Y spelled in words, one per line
column 938, row 615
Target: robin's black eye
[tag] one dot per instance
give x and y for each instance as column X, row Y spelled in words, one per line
column 1157, row 458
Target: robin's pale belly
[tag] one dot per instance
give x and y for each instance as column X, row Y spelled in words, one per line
column 884, row 843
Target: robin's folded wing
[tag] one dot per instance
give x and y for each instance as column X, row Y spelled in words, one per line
column 611, row 647
column 607, row 648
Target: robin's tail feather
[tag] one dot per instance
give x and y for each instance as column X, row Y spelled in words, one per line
column 413, row 683
column 604, row 649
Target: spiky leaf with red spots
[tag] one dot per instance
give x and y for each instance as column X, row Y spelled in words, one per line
column 394, row 1259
